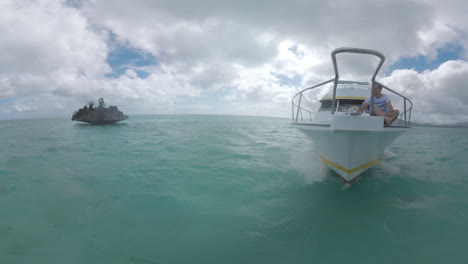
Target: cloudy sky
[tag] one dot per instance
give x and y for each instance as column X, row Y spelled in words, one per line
column 224, row 57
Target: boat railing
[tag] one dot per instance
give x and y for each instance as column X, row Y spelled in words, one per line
column 298, row 109
column 405, row 115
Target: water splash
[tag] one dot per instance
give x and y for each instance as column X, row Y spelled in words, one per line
column 308, row 164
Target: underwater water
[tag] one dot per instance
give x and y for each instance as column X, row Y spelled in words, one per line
column 224, row 189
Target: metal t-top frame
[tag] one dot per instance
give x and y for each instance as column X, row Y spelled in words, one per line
column 295, row 115
column 337, row 76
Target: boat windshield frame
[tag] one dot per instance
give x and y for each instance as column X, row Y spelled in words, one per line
column 358, row 51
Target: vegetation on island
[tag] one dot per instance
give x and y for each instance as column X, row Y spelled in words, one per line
column 99, row 115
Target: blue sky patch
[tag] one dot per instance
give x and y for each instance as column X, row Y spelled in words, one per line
column 124, row 57
column 421, row 63
column 7, row 100
column 74, row 3
column 285, row 80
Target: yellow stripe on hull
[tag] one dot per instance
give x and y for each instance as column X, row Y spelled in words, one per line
column 364, row 166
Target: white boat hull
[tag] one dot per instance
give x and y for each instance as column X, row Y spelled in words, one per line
column 351, row 144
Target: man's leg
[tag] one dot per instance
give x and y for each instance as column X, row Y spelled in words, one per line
column 395, row 114
column 379, row 112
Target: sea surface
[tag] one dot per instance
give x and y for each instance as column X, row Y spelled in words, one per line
column 224, row 189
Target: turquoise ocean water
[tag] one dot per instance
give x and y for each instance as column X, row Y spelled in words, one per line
column 224, row 189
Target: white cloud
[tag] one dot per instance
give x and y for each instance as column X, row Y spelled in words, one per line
column 46, row 47
column 41, row 37
column 439, row 96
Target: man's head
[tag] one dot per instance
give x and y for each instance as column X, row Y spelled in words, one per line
column 377, row 90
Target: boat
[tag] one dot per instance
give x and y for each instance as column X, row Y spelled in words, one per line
column 348, row 143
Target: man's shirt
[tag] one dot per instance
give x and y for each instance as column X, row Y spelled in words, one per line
column 381, row 102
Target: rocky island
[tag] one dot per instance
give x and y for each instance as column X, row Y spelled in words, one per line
column 100, row 115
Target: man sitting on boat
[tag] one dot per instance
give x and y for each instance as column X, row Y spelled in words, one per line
column 382, row 106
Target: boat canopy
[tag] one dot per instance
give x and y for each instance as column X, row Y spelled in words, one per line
column 349, row 90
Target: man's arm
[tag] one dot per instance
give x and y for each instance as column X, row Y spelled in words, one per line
column 389, row 106
column 363, row 107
